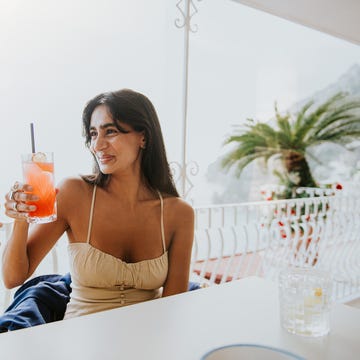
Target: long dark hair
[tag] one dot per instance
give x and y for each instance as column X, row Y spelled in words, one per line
column 136, row 110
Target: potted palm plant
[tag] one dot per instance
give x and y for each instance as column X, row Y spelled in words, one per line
column 293, row 137
column 291, row 140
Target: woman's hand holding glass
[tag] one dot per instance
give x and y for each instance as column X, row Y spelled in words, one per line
column 16, row 201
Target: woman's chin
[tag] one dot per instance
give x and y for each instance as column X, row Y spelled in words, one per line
column 105, row 171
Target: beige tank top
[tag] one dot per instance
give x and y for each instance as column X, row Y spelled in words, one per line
column 101, row 281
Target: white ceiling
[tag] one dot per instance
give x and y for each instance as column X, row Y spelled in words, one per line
column 340, row 18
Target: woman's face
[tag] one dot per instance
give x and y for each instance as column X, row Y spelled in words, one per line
column 116, row 151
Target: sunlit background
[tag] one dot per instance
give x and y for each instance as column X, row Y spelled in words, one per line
column 54, row 56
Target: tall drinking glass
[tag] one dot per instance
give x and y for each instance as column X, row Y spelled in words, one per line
column 38, row 171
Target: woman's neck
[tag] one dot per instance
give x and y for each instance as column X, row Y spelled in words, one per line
column 130, row 189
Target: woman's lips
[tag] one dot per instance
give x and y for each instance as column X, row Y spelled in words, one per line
column 105, row 158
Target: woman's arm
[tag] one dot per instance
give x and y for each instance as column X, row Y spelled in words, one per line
column 180, row 249
column 28, row 245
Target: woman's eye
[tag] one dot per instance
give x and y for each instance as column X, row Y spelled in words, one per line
column 111, row 131
column 92, row 134
column 123, row 131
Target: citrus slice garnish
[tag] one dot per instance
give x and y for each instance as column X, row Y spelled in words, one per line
column 39, row 157
column 318, row 291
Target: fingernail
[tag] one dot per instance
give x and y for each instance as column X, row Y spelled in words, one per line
column 32, row 207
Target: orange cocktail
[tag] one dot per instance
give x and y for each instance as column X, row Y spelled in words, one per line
column 38, row 171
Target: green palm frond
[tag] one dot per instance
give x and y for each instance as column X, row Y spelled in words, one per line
column 310, row 122
column 300, row 117
column 342, row 118
column 239, row 161
column 285, row 133
column 336, row 120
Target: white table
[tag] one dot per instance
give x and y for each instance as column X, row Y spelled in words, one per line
column 184, row 327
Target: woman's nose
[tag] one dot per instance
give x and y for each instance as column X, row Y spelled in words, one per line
column 100, row 143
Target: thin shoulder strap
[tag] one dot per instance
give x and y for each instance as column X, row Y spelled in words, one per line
column 162, row 220
column 91, row 215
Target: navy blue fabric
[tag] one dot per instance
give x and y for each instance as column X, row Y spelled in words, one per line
column 40, row 300
column 193, row 286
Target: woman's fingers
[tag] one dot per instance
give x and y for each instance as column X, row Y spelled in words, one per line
column 16, row 201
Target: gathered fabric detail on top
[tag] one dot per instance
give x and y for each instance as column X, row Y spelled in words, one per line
column 101, row 281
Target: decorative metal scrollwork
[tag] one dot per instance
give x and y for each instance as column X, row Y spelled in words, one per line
column 186, row 15
column 182, row 174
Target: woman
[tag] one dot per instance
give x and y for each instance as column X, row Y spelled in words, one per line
column 130, row 235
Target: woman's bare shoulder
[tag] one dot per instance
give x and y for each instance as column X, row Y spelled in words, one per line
column 179, row 207
column 73, row 186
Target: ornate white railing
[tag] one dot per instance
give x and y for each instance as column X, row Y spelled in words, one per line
column 260, row 238
column 238, row 240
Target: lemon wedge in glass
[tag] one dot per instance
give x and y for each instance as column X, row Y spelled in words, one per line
column 315, row 299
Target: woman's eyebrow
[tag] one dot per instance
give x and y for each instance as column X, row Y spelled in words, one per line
column 104, row 126
column 111, row 125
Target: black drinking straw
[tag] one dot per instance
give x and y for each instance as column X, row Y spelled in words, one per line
column 32, row 138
